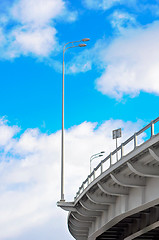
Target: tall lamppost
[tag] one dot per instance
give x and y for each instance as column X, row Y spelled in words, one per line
column 62, row 135
column 95, row 156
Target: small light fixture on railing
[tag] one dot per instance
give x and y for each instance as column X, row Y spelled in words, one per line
column 100, row 154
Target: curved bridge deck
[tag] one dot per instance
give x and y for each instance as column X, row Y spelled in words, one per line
column 120, row 202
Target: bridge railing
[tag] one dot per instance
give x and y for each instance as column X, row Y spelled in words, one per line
column 108, row 161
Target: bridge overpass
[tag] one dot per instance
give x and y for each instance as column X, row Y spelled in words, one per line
column 120, row 200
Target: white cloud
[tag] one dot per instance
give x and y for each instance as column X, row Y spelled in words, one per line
column 30, row 169
column 104, row 4
column 79, row 67
column 2, row 37
column 121, row 20
column 7, row 132
column 138, row 5
column 37, row 12
column 150, row 6
column 128, row 63
column 86, row 58
column 40, row 42
column 32, row 28
column 132, row 63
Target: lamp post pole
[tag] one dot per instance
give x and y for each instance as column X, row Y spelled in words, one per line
column 62, row 136
column 63, row 87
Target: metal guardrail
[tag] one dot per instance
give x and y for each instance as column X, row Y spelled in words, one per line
column 91, row 177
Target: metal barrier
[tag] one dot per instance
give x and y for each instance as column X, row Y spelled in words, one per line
column 108, row 159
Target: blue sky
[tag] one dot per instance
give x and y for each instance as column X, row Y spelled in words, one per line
column 111, row 83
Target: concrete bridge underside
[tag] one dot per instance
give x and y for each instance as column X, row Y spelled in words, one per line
column 142, row 225
column 122, row 203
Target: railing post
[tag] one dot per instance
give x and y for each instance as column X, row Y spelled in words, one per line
column 78, row 193
column 135, row 140
column 87, row 181
column 101, row 167
column 93, row 174
column 122, row 150
column 75, row 197
column 110, row 159
column 152, row 129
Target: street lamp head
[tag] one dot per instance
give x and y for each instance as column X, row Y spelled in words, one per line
column 102, row 152
column 85, row 39
column 82, row 45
